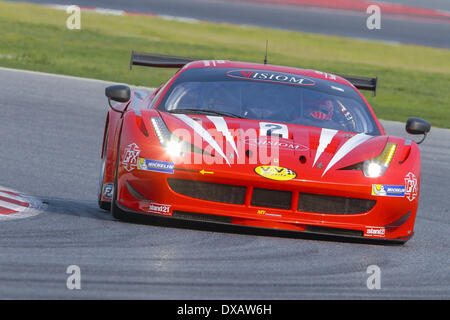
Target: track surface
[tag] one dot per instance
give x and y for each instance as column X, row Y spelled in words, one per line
column 51, row 129
column 291, row 18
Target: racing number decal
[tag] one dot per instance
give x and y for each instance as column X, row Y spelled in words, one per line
column 273, row 129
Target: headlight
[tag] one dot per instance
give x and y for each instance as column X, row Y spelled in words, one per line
column 174, row 146
column 161, row 131
column 376, row 167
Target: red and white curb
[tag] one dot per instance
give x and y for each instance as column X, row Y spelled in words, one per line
column 14, row 205
column 390, row 10
column 124, row 13
column 357, row 6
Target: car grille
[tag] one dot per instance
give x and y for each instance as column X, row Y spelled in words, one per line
column 209, row 191
column 317, row 203
column 271, row 198
column 268, row 198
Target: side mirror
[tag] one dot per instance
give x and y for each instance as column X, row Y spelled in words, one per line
column 119, row 93
column 418, row 126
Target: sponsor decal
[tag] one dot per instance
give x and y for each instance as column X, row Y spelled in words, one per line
column 379, row 232
column 326, row 75
column 388, row 190
column 157, row 208
column 264, row 212
column 271, row 76
column 273, row 214
column 410, row 186
column 130, row 157
column 282, row 144
column 275, row 173
column 108, row 190
column 155, row 165
column 212, row 63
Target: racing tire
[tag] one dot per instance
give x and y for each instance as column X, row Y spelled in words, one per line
column 116, row 212
column 105, row 205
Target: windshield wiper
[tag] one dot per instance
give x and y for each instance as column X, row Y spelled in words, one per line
column 210, row 112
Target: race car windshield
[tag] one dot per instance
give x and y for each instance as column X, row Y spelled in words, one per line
column 269, row 96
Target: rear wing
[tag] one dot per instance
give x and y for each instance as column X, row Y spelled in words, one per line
column 157, row 60
column 162, row 61
column 363, row 83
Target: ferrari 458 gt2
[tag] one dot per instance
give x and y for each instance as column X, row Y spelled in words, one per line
column 262, row 146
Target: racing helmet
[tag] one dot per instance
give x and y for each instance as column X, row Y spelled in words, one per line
column 319, row 110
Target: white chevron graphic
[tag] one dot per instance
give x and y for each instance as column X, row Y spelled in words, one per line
column 222, row 127
column 203, row 133
column 348, row 146
column 326, row 135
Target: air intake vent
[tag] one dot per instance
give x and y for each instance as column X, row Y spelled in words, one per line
column 201, row 217
column 334, row 231
column 333, row 205
column 271, row 198
column 209, row 191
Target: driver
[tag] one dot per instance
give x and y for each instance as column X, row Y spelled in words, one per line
column 321, row 110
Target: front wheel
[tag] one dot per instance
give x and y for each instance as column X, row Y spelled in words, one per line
column 105, row 205
column 116, row 212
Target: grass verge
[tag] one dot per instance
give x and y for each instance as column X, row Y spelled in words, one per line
column 413, row 80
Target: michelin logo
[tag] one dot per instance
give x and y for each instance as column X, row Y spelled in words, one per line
column 155, row 165
column 388, row 190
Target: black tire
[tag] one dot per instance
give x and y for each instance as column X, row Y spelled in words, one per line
column 105, row 205
column 116, row 212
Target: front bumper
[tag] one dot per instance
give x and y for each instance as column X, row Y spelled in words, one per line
column 317, row 233
column 152, row 193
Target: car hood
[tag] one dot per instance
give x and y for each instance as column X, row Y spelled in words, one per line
column 236, row 140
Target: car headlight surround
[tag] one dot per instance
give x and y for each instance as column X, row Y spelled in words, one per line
column 377, row 166
column 173, row 145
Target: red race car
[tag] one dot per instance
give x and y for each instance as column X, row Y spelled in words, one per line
column 262, row 146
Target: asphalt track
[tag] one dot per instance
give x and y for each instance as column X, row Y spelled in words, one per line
column 50, row 138
column 323, row 21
